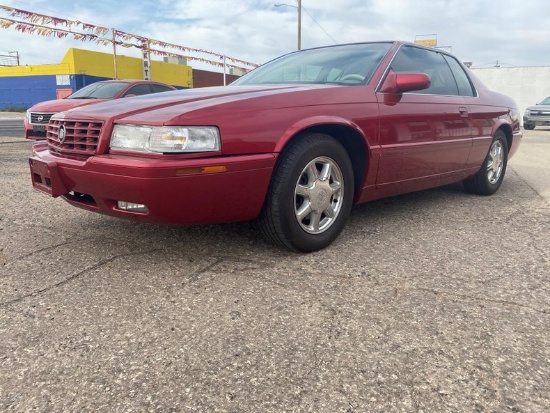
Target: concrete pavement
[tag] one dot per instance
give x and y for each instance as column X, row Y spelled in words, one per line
column 436, row 301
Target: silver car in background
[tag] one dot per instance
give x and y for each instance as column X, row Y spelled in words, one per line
column 538, row 115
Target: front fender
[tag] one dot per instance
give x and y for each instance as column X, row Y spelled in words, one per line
column 316, row 121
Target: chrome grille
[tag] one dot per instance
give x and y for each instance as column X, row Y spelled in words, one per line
column 76, row 137
column 40, row 118
column 540, row 113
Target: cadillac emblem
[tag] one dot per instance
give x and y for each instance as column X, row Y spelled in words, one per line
column 62, row 134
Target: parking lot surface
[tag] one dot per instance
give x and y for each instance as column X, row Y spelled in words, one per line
column 437, row 301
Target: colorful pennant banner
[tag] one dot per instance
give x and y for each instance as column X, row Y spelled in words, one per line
column 42, row 25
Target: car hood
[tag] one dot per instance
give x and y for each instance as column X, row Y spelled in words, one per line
column 172, row 107
column 60, row 105
column 542, row 108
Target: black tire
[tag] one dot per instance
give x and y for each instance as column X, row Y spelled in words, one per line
column 528, row 126
column 295, row 189
column 491, row 174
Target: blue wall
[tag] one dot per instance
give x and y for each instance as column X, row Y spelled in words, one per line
column 25, row 91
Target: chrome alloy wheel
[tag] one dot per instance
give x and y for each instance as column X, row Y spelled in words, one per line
column 496, row 162
column 318, row 195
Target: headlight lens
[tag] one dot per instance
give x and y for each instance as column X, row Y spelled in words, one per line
column 165, row 139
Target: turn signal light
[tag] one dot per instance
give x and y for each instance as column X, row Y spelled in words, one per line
column 201, row 170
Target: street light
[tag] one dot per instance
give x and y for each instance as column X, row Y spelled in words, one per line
column 299, row 8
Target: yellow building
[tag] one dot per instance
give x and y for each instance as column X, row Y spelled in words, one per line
column 23, row 86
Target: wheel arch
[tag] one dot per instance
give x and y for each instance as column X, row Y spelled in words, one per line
column 507, row 130
column 353, row 141
column 504, row 126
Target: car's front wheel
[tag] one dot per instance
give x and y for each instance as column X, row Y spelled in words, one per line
column 489, row 178
column 310, row 195
column 528, row 126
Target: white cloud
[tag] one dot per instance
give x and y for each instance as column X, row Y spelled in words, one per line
column 481, row 31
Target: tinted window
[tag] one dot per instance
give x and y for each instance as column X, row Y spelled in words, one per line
column 160, row 88
column 462, row 80
column 412, row 59
column 99, row 90
column 141, row 89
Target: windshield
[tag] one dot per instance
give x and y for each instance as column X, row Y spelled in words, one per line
column 99, row 90
column 348, row 64
column 545, row 101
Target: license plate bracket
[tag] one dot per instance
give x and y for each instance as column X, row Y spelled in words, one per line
column 45, row 177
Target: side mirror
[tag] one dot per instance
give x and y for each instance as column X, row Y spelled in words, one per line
column 405, row 82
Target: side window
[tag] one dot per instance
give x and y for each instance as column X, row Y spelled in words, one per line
column 141, row 89
column 159, row 88
column 462, row 80
column 412, row 59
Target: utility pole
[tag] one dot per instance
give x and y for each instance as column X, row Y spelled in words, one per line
column 299, row 9
column 16, row 56
column 114, row 53
column 299, row 24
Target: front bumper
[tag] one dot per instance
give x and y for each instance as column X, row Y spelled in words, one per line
column 34, row 131
column 536, row 120
column 174, row 191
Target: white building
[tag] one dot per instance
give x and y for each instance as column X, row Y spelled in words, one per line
column 526, row 85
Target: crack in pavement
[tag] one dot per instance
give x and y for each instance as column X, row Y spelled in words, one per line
column 70, row 278
column 474, row 298
column 69, row 240
column 30, row 254
column 222, row 259
column 528, row 184
column 396, row 289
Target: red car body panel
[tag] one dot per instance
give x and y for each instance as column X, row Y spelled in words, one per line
column 408, row 142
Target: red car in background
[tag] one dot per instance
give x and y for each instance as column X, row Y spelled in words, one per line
column 294, row 143
column 39, row 115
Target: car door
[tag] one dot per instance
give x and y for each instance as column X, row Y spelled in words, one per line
column 425, row 134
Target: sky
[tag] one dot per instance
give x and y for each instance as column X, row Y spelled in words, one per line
column 485, row 32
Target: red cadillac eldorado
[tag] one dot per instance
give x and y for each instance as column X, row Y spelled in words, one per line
column 292, row 144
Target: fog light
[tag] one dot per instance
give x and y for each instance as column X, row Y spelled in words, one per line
column 130, row 206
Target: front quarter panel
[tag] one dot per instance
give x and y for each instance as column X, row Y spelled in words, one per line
column 264, row 121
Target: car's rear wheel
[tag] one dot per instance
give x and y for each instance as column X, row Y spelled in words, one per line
column 489, row 178
column 528, row 126
column 310, row 196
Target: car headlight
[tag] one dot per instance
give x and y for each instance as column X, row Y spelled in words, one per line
column 165, row 139
column 527, row 112
column 28, row 115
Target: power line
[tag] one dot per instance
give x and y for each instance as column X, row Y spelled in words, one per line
column 496, row 63
column 317, row 23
